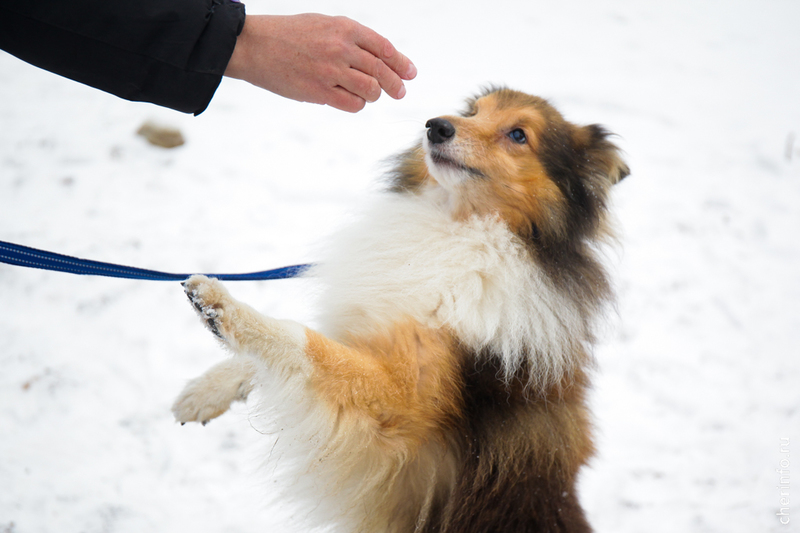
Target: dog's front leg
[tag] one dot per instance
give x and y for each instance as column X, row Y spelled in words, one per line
column 254, row 338
column 281, row 343
column 212, row 394
column 402, row 380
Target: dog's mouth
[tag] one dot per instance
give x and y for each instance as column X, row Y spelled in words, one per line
column 442, row 160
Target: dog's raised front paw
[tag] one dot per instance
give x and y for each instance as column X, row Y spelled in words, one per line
column 210, row 395
column 208, row 297
column 198, row 404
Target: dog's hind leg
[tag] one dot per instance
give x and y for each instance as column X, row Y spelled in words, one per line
column 211, row 394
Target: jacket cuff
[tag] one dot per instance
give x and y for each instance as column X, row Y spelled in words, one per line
column 214, row 48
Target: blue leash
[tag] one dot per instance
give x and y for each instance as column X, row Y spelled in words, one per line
column 15, row 254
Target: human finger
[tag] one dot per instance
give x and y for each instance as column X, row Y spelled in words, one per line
column 383, row 76
column 342, row 99
column 381, row 48
column 361, row 84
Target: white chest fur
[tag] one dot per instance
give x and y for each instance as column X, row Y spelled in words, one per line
column 407, row 258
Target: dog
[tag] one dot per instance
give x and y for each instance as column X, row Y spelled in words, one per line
column 445, row 387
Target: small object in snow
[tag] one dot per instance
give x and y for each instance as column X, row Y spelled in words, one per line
column 160, row 135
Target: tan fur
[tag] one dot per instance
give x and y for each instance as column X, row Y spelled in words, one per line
column 520, row 191
column 405, row 381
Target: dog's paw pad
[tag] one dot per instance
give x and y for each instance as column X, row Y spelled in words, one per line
column 206, row 296
column 213, row 319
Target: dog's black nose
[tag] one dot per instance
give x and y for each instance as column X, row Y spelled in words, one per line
column 440, row 130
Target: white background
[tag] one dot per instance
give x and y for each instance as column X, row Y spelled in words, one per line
column 698, row 373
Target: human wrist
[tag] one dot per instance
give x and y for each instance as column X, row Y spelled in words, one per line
column 237, row 63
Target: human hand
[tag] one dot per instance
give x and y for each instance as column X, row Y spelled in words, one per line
column 319, row 59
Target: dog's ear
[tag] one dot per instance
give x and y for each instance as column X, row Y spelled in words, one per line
column 601, row 153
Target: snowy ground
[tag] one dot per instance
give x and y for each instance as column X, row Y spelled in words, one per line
column 699, row 375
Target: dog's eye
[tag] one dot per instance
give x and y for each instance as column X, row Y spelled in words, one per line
column 518, row 136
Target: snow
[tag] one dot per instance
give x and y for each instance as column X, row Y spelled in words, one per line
column 698, row 374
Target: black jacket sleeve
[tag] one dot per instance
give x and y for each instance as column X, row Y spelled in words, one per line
column 169, row 52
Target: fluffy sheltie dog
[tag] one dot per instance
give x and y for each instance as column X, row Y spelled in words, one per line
column 444, row 390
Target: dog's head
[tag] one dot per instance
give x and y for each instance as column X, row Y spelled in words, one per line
column 514, row 155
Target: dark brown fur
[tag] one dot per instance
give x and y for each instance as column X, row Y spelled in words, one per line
column 519, row 454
